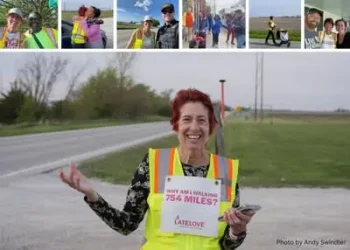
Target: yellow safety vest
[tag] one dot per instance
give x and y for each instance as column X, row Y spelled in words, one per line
column 78, row 33
column 138, row 44
column 3, row 36
column 271, row 25
column 163, row 162
column 47, row 38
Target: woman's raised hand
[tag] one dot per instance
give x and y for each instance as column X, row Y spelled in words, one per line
column 76, row 180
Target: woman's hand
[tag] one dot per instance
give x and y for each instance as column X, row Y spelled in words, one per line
column 76, row 180
column 237, row 220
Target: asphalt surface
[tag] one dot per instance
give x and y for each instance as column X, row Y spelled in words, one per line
column 36, row 153
column 260, row 44
column 41, row 213
column 108, row 28
column 209, row 42
column 123, row 37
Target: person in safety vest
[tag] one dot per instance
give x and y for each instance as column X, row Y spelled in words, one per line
column 79, row 38
column 183, row 189
column 271, row 25
column 168, row 34
column 11, row 36
column 143, row 38
column 38, row 37
column 188, row 19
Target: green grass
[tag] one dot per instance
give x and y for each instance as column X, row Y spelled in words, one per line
column 127, row 26
column 285, row 154
column 261, row 34
column 68, row 15
column 24, row 129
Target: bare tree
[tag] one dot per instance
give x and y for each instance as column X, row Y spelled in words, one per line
column 74, row 80
column 40, row 75
column 122, row 62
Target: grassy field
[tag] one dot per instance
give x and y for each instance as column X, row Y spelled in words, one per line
column 295, row 151
column 68, row 15
column 127, row 26
column 34, row 129
column 258, row 27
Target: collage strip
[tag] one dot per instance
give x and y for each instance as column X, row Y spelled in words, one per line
column 175, row 24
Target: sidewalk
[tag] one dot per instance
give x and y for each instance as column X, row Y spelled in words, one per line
column 222, row 42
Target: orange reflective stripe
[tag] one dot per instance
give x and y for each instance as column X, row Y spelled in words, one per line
column 171, row 162
column 216, row 166
column 156, row 171
column 54, row 38
column 230, row 175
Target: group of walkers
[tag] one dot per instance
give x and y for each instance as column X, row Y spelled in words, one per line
column 36, row 37
column 167, row 36
column 86, row 32
column 325, row 38
column 206, row 24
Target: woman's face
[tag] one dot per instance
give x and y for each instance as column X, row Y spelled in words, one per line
column 90, row 13
column 328, row 27
column 193, row 126
column 147, row 24
column 341, row 27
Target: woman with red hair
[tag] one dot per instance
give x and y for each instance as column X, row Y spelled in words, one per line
column 184, row 190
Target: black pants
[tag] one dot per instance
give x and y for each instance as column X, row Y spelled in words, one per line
column 268, row 37
column 215, row 39
column 79, row 46
column 284, row 42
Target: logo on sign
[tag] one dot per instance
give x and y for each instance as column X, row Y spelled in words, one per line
column 189, row 223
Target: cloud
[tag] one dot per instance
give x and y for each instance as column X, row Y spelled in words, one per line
column 143, row 4
column 121, row 10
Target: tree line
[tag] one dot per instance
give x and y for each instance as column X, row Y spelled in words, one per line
column 110, row 93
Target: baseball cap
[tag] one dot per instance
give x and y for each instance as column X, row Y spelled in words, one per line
column 147, row 18
column 313, row 10
column 168, row 6
column 16, row 11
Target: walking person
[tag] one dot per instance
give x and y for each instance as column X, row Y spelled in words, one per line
column 270, row 30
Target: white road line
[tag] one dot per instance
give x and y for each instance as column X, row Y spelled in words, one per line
column 85, row 156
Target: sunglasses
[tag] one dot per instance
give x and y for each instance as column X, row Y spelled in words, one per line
column 166, row 11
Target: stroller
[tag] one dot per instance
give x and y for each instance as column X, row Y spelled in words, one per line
column 199, row 41
column 200, row 35
column 282, row 35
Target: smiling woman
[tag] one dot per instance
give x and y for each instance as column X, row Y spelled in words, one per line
column 188, row 167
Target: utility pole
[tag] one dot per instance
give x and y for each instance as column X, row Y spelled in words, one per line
column 256, row 87
column 262, row 88
column 222, row 81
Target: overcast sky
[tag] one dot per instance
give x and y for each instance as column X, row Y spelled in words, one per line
column 308, row 81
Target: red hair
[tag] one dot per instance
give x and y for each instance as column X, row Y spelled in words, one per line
column 191, row 95
column 82, row 10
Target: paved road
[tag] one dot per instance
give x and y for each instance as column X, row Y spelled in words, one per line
column 35, row 153
column 222, row 42
column 260, row 44
column 41, row 213
column 108, row 28
column 123, row 37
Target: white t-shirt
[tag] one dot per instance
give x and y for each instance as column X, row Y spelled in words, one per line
column 284, row 36
column 12, row 40
column 148, row 42
column 327, row 41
